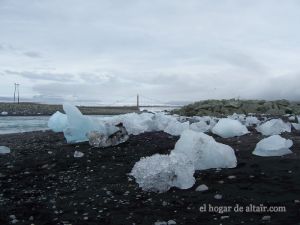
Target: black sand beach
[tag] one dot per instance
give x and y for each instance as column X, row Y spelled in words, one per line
column 42, row 183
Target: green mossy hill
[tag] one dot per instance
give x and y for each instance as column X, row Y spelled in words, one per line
column 228, row 107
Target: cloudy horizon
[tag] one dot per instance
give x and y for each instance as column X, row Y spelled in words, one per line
column 166, row 50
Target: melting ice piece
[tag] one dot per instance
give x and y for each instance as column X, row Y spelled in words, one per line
column 98, row 139
column 227, row 128
column 78, row 154
column 273, row 146
column 79, row 125
column 296, row 126
column 4, row 113
column 239, row 117
column 175, row 127
column 204, row 151
column 158, row 173
column 4, row 150
column 273, row 127
column 161, row 121
column 137, row 123
column 58, row 122
column 200, row 126
column 251, row 120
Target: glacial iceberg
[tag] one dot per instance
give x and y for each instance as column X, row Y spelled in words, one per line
column 79, row 125
column 273, row 127
column 158, row 173
column 273, row 146
column 204, row 151
column 227, row 128
column 58, row 122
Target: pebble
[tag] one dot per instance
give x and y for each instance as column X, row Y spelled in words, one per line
column 224, row 217
column 266, row 218
column 231, row 177
column 218, row 196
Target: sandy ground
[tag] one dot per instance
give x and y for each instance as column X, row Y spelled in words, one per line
column 42, row 183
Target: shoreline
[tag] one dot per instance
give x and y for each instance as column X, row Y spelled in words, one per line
column 42, row 180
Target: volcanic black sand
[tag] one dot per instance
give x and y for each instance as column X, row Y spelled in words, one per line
column 42, row 183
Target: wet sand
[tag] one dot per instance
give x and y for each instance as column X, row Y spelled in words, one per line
column 42, row 183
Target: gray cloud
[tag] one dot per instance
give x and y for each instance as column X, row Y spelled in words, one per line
column 44, row 76
column 168, row 50
column 32, row 54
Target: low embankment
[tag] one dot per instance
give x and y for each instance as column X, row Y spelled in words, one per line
column 35, row 109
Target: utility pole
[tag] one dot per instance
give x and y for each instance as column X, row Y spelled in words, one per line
column 17, row 91
column 18, row 94
column 137, row 102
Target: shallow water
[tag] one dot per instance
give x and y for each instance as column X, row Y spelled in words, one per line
column 18, row 124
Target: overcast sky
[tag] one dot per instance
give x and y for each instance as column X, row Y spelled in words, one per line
column 171, row 50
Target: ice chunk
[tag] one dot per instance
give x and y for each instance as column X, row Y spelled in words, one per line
column 58, row 122
column 239, row 117
column 98, row 139
column 78, row 154
column 176, row 128
column 273, row 146
column 137, row 123
column 227, row 128
column 162, row 120
column 251, row 120
column 204, row 151
column 79, row 125
column 273, row 127
column 200, row 126
column 159, row 173
column 4, row 150
column 4, row 113
column 296, row 126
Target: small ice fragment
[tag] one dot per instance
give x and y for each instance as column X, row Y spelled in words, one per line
column 200, row 126
column 78, row 154
column 296, row 126
column 273, row 146
column 227, row 128
column 4, row 113
column 4, row 150
column 202, row 187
